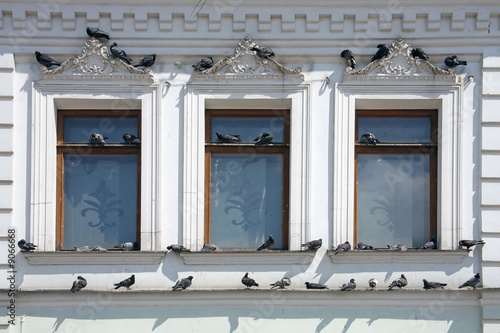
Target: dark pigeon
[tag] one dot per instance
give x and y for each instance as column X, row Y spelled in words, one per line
column 313, row 245
column 97, row 139
column 453, row 61
column 183, row 283
column 349, row 58
column 264, row 138
column 284, row 282
column 204, row 64
column 26, row 246
column 383, row 51
column 178, row 248
column 310, row 285
column 227, row 137
column 80, row 283
column 131, row 139
column 398, row 247
column 472, row 282
column 372, row 283
column 97, row 33
column 470, row 243
column 119, row 53
column 268, row 244
column 264, row 52
column 342, row 248
column 433, row 285
column 126, row 283
column 46, row 61
column 248, row 282
column 400, row 283
column 369, row 138
column 127, row 246
column 363, row 246
column 430, row 245
column 146, row 61
column 419, row 53
column 210, row 248
column 348, row 286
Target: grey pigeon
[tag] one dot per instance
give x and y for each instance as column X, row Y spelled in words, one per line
column 397, row 247
column 264, row 52
column 372, row 283
column 430, row 245
column 472, row 282
column 26, row 246
column 419, row 53
column 349, row 58
column 310, row 285
column 119, row 53
column 313, row 245
column 80, row 283
column 178, row 248
column 204, row 64
column 264, row 138
column 267, row 245
column 369, row 138
column 342, row 248
column 131, row 139
column 227, row 137
column 453, row 61
column 46, row 61
column 248, row 282
column 183, row 283
column 363, row 246
column 383, row 51
column 400, row 283
column 284, row 282
column 97, row 139
column 84, row 248
column 127, row 246
column 351, row 285
column 470, row 243
column 97, row 33
column 97, row 248
column 210, row 248
column 146, row 61
column 433, row 285
column 126, row 283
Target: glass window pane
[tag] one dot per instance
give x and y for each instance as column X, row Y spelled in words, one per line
column 100, row 200
column 246, row 200
column 393, row 199
column 79, row 129
column 396, row 129
column 248, row 128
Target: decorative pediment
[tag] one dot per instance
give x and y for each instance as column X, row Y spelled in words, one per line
column 96, row 64
column 245, row 64
column 400, row 66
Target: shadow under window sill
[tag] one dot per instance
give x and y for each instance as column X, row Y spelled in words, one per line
column 412, row 256
column 245, row 257
column 94, row 258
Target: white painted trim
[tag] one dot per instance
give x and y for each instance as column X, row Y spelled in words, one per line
column 95, row 258
column 248, row 258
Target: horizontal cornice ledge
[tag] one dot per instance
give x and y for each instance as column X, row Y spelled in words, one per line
column 399, row 257
column 94, row 258
column 248, row 258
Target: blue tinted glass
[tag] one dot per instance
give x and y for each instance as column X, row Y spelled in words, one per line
column 79, row 129
column 248, row 128
column 396, row 129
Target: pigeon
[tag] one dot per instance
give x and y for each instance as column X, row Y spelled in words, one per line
column 80, row 283
column 472, row 282
column 284, row 282
column 178, row 248
column 264, row 52
column 127, row 246
column 97, row 248
column 126, row 283
column 342, row 248
column 45, row 60
column 210, row 248
column 433, row 285
column 268, row 244
column 397, row 247
column 430, row 245
column 146, row 61
column 419, row 53
column 131, row 139
column 400, row 283
column 248, row 281
column 383, row 51
column 97, row 139
column 372, row 283
column 97, row 33
column 227, row 137
column 470, row 243
column 313, row 245
column 363, row 246
column 26, row 246
column 310, row 285
column 85, row 248
column 264, row 138
column 369, row 138
column 119, row 53
column 183, row 283
column 204, row 64
column 453, row 61
column 348, row 286
column 349, row 58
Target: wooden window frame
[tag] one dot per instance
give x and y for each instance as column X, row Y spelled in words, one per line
column 88, row 149
column 430, row 149
column 249, row 147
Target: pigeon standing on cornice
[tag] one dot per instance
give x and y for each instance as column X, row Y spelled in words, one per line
column 119, row 53
column 46, row 61
column 383, row 51
column 204, row 64
column 263, row 52
column 97, row 33
column 349, row 58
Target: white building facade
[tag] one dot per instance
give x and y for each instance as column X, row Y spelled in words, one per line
column 434, row 172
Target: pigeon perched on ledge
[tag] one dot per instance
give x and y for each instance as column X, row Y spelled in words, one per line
column 264, row 138
column 349, row 58
column 430, row 245
column 470, row 243
column 126, row 283
column 267, row 245
column 284, row 282
column 472, row 282
column 313, row 245
column 342, row 248
column 363, row 246
column 178, row 248
column 369, row 138
column 204, row 64
column 97, row 139
column 248, row 282
column 400, row 283
column 372, row 283
column 127, row 246
column 264, row 52
column 79, row 284
column 227, row 137
column 131, row 139
column 351, row 285
column 146, row 61
column 398, row 247
column 433, row 285
column 453, row 61
column 383, row 51
column 97, row 33
column 119, row 53
column 418, row 53
column 210, row 248
column 311, row 285
column 26, row 246
column 183, row 283
column 46, row 61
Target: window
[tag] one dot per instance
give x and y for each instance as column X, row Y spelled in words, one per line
column 246, row 183
column 98, row 185
column 396, row 178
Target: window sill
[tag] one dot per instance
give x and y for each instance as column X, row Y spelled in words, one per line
column 94, row 258
column 248, row 258
column 405, row 257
